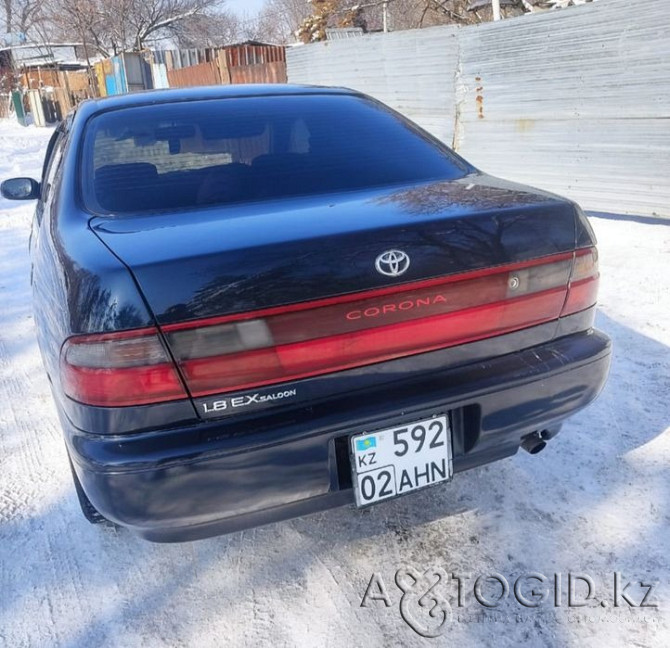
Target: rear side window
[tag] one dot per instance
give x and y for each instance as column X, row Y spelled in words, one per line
column 216, row 152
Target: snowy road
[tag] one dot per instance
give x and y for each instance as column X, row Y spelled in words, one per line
column 595, row 502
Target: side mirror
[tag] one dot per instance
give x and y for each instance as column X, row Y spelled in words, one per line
column 20, row 189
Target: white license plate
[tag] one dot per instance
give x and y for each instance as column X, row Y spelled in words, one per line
column 398, row 460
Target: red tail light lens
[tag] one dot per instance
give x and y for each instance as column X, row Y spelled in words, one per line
column 248, row 350
column 287, row 343
column 583, row 290
column 119, row 369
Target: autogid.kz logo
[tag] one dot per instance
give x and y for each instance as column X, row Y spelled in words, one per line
column 432, row 599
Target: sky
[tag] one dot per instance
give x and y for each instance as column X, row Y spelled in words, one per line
column 244, row 7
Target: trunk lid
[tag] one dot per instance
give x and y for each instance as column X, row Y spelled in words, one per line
column 247, row 257
column 255, row 295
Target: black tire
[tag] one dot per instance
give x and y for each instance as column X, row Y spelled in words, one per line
column 90, row 512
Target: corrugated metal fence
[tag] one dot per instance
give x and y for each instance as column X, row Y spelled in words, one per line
column 574, row 101
column 413, row 71
column 243, row 63
column 194, row 75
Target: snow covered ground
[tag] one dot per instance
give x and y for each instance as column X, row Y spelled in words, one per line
column 594, row 503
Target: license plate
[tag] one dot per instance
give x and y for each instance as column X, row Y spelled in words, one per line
column 398, row 460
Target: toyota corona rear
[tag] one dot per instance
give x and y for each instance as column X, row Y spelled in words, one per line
column 258, row 302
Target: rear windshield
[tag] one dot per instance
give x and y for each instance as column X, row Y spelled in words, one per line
column 186, row 155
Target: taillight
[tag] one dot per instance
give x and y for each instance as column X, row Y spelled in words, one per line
column 119, row 369
column 252, row 349
column 583, row 289
column 286, row 343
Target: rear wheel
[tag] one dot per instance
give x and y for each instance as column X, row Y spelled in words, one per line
column 90, row 512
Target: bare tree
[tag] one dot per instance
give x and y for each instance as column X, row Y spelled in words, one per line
column 20, row 15
column 282, row 20
column 278, row 21
column 146, row 17
column 112, row 26
column 206, row 30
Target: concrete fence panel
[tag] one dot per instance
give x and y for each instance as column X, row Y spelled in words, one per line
column 574, row 101
column 411, row 71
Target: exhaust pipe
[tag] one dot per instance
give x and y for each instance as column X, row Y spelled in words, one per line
column 533, row 443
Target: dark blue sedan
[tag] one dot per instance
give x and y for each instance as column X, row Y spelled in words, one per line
column 257, row 302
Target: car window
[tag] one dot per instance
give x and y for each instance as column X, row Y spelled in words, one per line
column 52, row 165
column 49, row 152
column 188, row 154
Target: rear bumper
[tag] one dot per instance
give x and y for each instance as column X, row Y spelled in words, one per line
column 223, row 476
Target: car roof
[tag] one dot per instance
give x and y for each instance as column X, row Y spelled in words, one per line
column 175, row 95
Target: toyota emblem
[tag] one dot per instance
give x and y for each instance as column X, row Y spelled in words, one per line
column 392, row 263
